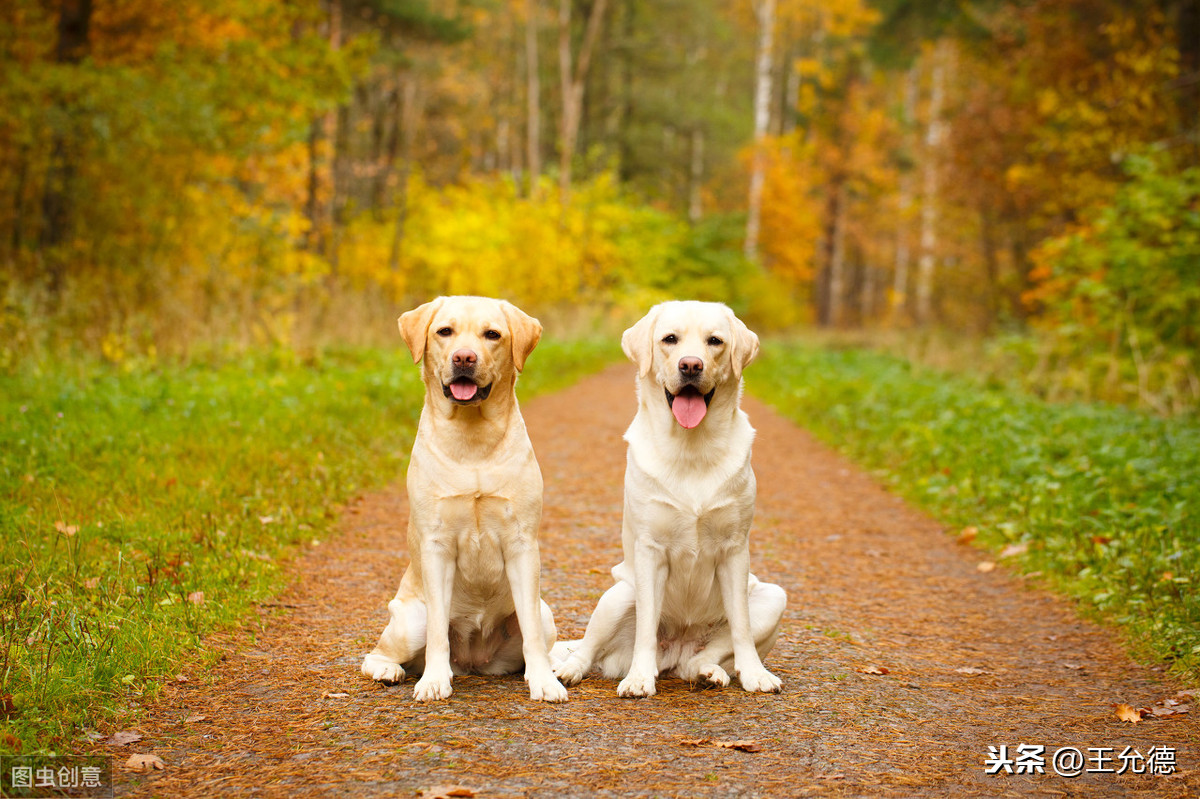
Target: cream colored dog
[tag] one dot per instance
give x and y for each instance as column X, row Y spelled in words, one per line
column 470, row 600
column 684, row 597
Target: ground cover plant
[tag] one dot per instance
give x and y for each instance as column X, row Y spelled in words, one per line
column 141, row 510
column 1101, row 500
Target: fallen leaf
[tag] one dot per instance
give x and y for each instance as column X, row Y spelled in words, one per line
column 970, row 670
column 1164, row 712
column 1012, row 550
column 195, row 718
column 124, row 738
column 445, row 791
column 873, row 670
column 145, row 763
column 968, row 535
column 1072, row 666
column 1128, row 713
column 181, row 678
column 695, row 741
column 985, row 567
column 741, row 746
column 196, row 597
column 333, row 695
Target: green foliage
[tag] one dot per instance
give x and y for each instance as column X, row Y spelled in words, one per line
column 124, row 494
column 1122, row 292
column 1105, row 499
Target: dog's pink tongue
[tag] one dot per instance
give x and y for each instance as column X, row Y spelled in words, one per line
column 463, row 389
column 689, row 409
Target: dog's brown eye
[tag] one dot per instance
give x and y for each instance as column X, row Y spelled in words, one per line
column 445, row 331
column 670, row 338
column 713, row 341
column 492, row 334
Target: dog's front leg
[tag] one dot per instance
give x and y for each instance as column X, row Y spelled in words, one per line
column 651, row 576
column 733, row 575
column 522, row 567
column 438, row 565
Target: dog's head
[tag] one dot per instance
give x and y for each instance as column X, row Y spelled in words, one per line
column 469, row 344
column 692, row 350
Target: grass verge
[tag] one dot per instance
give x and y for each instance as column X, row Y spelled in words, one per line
column 1101, row 500
column 141, row 511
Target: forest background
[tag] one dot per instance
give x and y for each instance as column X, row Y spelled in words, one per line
column 188, row 177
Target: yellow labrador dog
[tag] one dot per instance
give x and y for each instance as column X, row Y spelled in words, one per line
column 684, row 597
column 470, row 600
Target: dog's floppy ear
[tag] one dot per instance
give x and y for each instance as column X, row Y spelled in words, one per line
column 743, row 346
column 637, row 344
column 525, row 330
column 414, row 327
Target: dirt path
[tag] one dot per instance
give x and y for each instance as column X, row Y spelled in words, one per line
column 870, row 582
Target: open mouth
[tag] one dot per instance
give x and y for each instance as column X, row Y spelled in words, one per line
column 689, row 405
column 464, row 391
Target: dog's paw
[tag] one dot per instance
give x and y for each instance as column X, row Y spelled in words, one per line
column 380, row 670
column 760, row 680
column 712, row 675
column 430, row 688
column 546, row 689
column 636, row 684
column 570, row 671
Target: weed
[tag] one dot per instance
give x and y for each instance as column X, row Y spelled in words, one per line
column 1102, row 500
column 140, row 511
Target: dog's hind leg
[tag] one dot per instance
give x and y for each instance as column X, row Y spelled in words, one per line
column 607, row 630
column 402, row 641
column 712, row 664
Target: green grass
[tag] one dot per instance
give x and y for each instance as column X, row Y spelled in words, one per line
column 125, row 495
column 1106, row 499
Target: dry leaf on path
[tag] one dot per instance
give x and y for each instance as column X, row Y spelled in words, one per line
column 970, row 670
column 741, row 746
column 196, row 597
column 124, row 738
column 873, row 670
column 194, row 718
column 145, row 763
column 985, row 567
column 695, row 741
column 1012, row 550
column 968, row 535
column 333, row 695
column 1128, row 713
column 445, row 791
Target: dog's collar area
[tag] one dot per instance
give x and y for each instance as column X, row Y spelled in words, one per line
column 689, row 389
column 465, row 391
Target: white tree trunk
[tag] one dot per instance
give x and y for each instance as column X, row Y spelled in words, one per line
column 764, row 10
column 934, row 136
column 533, row 97
column 899, row 298
column 837, row 261
column 573, row 82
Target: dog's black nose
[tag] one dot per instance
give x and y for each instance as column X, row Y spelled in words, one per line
column 691, row 366
column 464, row 357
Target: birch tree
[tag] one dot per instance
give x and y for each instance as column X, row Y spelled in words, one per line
column 934, row 136
column 573, row 77
column 764, row 11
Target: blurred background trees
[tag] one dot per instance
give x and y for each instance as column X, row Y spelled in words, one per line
column 181, row 175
